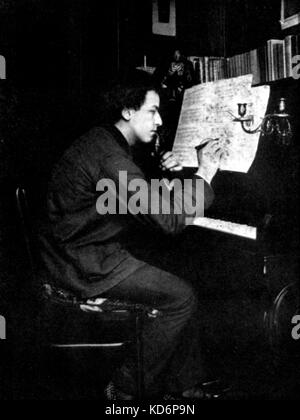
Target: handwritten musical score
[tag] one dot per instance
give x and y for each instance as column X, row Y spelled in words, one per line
column 207, row 113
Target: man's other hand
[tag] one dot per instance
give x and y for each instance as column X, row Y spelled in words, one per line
column 169, row 162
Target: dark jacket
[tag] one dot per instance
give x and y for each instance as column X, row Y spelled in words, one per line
column 81, row 249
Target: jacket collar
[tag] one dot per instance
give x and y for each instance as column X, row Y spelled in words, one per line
column 119, row 138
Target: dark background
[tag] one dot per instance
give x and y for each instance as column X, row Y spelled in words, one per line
column 291, row 8
column 61, row 54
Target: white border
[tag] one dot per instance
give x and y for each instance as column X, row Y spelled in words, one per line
column 159, row 28
column 291, row 20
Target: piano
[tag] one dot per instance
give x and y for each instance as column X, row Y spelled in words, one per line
column 251, row 233
column 261, row 206
column 251, row 238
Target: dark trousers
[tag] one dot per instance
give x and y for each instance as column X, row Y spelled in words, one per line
column 172, row 355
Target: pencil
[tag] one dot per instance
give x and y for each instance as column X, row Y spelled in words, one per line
column 204, row 144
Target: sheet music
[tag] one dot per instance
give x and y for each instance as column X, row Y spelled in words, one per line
column 207, row 113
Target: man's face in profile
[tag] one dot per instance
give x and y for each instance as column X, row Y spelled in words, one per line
column 145, row 121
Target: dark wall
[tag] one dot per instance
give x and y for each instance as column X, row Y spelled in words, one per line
column 70, row 45
column 207, row 27
column 65, row 52
column 59, row 41
column 197, row 24
column 251, row 23
column 59, row 54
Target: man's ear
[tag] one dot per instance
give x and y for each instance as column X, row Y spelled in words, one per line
column 127, row 114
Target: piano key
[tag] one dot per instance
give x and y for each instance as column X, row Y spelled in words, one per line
column 236, row 229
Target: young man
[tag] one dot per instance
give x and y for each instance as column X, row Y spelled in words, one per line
column 93, row 241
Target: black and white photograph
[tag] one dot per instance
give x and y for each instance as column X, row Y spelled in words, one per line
column 149, row 207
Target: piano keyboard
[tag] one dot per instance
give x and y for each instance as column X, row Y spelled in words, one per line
column 236, row 229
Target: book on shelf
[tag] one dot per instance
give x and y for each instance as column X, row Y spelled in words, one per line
column 276, row 59
column 267, row 63
column 292, row 48
column 209, row 69
column 255, row 67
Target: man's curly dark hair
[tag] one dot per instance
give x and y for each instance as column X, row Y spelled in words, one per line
column 129, row 93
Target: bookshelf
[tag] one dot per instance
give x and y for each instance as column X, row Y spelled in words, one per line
column 270, row 62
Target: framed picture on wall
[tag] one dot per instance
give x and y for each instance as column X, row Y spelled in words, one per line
column 290, row 13
column 164, row 17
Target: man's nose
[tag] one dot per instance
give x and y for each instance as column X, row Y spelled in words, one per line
column 158, row 120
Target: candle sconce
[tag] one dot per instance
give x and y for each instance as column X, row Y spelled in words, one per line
column 277, row 124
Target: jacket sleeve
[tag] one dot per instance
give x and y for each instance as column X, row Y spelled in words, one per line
column 152, row 203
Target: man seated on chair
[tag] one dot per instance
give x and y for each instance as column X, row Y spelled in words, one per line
column 102, row 221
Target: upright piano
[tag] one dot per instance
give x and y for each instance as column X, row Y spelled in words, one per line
column 253, row 227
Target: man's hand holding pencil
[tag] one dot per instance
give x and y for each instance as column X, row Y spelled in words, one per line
column 209, row 153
